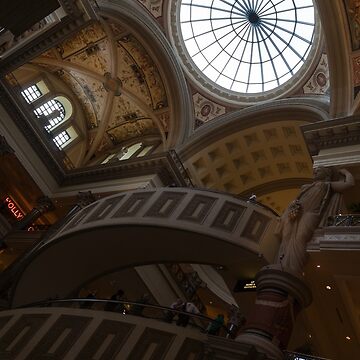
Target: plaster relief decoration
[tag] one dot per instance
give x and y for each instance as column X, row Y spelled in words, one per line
column 319, row 82
column 154, row 6
column 205, row 109
column 164, row 117
column 353, row 13
column 112, row 84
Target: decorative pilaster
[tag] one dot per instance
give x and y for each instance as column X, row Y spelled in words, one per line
column 281, row 295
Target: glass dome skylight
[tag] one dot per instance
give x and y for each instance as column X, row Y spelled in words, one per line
column 248, row 46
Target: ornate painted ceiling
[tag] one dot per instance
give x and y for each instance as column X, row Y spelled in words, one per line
column 118, row 86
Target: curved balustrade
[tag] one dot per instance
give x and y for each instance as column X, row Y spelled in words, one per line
column 64, row 333
column 149, row 311
column 289, row 355
column 78, row 333
column 148, row 226
column 342, row 232
column 344, row 220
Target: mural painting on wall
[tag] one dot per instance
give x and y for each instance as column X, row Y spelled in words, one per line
column 143, row 69
column 127, row 131
column 206, row 109
column 353, row 13
column 319, row 82
column 356, row 74
column 92, row 34
column 154, row 6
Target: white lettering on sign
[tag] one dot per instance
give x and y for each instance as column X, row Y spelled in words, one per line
column 250, row 285
column 17, row 213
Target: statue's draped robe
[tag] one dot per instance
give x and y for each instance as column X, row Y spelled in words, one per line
column 318, row 202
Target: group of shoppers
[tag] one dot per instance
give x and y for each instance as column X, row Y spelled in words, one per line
column 235, row 318
column 180, row 309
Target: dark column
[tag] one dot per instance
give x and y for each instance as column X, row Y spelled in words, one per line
column 43, row 205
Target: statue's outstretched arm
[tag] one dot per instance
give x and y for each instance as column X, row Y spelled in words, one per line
column 341, row 185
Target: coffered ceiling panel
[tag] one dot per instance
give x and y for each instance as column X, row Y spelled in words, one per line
column 258, row 155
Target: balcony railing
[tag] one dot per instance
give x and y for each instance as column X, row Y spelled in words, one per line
column 344, row 220
column 149, row 311
column 297, row 356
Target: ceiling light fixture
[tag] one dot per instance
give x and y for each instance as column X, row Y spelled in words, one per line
column 328, row 287
column 348, row 338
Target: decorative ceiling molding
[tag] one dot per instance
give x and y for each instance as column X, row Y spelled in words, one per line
column 297, row 109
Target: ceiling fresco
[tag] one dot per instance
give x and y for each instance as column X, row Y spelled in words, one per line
column 114, row 80
column 353, row 13
column 139, row 73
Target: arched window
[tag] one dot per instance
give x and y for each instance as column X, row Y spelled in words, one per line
column 54, row 112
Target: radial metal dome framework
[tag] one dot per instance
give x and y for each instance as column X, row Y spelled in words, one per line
column 248, row 46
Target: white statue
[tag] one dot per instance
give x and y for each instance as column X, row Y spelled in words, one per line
column 315, row 202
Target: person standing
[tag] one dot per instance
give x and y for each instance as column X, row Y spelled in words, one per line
column 112, row 306
column 236, row 320
column 169, row 315
column 183, row 318
column 215, row 326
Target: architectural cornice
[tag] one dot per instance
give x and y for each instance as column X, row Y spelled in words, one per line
column 332, row 133
column 171, row 172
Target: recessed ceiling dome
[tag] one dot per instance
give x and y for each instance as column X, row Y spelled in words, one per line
column 248, row 48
